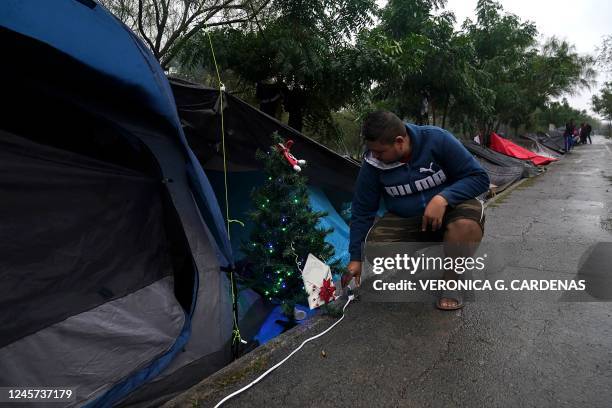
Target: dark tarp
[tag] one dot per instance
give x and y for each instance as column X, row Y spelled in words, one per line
column 75, row 223
column 248, row 129
column 552, row 140
column 501, row 177
column 530, row 142
column 529, row 169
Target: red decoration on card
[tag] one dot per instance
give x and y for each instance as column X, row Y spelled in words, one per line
column 327, row 291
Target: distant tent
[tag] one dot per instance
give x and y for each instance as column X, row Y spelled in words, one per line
column 528, row 169
column 530, row 142
column 552, row 140
column 501, row 177
column 507, row 147
column 110, row 280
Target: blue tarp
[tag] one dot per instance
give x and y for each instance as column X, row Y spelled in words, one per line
column 270, row 329
column 340, row 237
column 240, row 185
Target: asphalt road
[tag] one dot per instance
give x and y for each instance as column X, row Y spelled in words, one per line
column 518, row 353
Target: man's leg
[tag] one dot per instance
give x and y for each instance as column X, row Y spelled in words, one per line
column 463, row 234
column 392, row 228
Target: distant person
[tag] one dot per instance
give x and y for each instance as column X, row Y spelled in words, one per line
column 588, row 129
column 568, row 134
column 576, row 137
column 582, row 133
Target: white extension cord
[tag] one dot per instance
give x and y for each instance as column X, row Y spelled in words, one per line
column 232, row 395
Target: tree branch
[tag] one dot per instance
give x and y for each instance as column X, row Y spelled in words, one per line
column 157, row 23
column 170, row 49
column 141, row 28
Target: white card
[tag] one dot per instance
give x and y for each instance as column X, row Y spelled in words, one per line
column 318, row 282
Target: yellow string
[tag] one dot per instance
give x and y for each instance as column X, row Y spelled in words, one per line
column 236, row 330
column 221, row 86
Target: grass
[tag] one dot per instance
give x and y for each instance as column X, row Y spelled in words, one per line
column 257, row 365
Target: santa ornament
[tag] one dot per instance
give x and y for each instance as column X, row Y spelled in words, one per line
column 318, row 282
column 284, row 149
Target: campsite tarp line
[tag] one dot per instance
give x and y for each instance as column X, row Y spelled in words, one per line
column 510, row 148
column 501, row 177
column 529, row 169
column 535, row 146
column 552, row 140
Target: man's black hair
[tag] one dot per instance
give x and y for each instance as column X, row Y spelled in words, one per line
column 382, row 126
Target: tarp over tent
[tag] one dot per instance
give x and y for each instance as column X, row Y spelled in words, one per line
column 552, row 140
column 331, row 176
column 507, row 147
column 109, row 279
column 503, row 170
column 249, row 129
column 530, row 142
column 528, row 169
column 500, row 177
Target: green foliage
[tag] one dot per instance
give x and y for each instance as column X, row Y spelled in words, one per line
column 522, row 77
column 303, row 45
column 491, row 72
column 285, row 232
column 559, row 113
column 602, row 104
column 604, row 54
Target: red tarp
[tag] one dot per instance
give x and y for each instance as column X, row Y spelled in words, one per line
column 505, row 146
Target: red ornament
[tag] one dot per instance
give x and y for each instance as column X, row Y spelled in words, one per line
column 284, row 149
column 327, row 291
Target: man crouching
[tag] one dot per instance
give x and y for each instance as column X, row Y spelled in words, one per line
column 429, row 182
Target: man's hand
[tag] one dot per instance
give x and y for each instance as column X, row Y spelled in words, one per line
column 354, row 271
column 434, row 212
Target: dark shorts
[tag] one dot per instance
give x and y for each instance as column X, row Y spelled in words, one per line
column 393, row 228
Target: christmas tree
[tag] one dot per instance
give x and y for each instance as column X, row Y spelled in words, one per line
column 285, row 232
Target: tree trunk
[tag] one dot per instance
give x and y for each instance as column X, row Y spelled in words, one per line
column 445, row 111
column 296, row 120
column 433, row 112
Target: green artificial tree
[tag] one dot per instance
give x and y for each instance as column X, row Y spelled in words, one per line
column 285, row 231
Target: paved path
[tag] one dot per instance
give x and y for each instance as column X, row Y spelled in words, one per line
column 511, row 354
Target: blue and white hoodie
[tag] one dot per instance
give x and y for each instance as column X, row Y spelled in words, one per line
column 439, row 164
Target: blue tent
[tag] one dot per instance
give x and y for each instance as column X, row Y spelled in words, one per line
column 110, row 281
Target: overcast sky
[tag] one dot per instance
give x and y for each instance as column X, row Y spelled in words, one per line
column 582, row 23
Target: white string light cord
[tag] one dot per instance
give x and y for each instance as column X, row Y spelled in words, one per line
column 258, row 379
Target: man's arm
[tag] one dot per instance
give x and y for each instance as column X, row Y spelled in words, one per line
column 470, row 179
column 365, row 205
